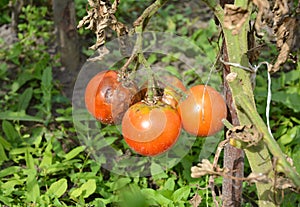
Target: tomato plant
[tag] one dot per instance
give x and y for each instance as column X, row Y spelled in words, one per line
column 171, row 89
column 151, row 129
column 107, row 99
column 202, row 111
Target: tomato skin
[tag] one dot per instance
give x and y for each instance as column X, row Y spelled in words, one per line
column 103, row 95
column 192, row 110
column 151, row 129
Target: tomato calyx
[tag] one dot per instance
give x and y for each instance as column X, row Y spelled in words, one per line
column 167, row 89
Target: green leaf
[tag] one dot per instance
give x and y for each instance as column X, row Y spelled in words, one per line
column 290, row 100
column 58, row 188
column 9, row 186
column 86, row 189
column 154, row 195
column 47, row 156
column 120, row 183
column 46, row 87
column 7, row 201
column 19, row 116
column 157, row 171
column 3, row 156
column 29, row 159
column 74, row 152
column 32, row 192
column 181, row 194
column 47, row 78
column 6, row 145
column 288, row 137
column 9, row 131
column 21, row 150
column 169, row 184
column 22, row 79
column 9, row 171
column 24, row 99
column 296, row 158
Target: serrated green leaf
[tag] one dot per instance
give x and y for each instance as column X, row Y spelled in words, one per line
column 24, row 99
column 58, row 188
column 74, row 152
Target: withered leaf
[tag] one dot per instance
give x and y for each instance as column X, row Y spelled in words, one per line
column 264, row 14
column 101, row 16
column 285, row 41
column 234, row 17
column 280, row 9
column 196, row 200
column 284, row 183
column 247, row 134
column 203, row 168
column 257, row 177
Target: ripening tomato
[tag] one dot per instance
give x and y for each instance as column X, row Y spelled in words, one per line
column 107, row 99
column 202, row 111
column 151, row 129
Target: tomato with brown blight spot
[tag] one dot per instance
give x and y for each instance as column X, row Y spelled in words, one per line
column 107, row 99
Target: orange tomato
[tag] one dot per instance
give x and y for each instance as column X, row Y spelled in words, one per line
column 151, row 129
column 107, row 99
column 202, row 111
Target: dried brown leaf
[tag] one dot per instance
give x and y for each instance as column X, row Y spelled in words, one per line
column 257, row 177
column 285, row 41
column 284, row 183
column 279, row 10
column 264, row 14
column 247, row 134
column 196, row 200
column 203, row 168
column 234, row 17
column 101, row 16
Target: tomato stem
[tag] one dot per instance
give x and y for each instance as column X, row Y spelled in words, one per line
column 151, row 91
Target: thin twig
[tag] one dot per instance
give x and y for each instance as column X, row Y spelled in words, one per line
column 148, row 12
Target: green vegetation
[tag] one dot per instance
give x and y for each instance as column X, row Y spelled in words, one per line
column 42, row 162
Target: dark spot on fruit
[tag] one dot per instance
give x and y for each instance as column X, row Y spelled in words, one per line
column 108, row 95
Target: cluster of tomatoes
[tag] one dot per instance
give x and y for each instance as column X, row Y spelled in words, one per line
column 151, row 127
